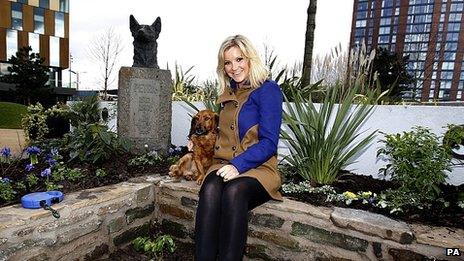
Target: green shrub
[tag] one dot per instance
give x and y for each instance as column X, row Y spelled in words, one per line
column 418, row 163
column 321, row 140
column 12, row 114
column 155, row 248
column 35, row 123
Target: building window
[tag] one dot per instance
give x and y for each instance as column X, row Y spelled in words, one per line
column 456, row 7
column 54, row 51
column 44, row 4
column 34, row 42
column 447, row 66
column 361, row 23
column 59, row 24
column 17, row 16
column 384, row 30
column 64, row 6
column 39, row 20
column 11, row 43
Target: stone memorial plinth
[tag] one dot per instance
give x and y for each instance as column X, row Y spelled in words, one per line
column 144, row 108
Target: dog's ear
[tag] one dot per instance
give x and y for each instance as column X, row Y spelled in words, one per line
column 157, row 25
column 134, row 25
column 192, row 126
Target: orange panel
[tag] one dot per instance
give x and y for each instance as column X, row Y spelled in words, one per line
column 23, row 39
column 49, row 22
column 5, row 14
column 64, row 53
column 2, row 44
column 28, row 18
column 45, row 49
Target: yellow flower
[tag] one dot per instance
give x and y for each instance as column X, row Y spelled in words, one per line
column 349, row 195
column 366, row 194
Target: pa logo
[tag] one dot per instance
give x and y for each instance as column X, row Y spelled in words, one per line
column 453, row 252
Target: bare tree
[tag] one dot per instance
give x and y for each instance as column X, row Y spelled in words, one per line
column 309, row 42
column 104, row 49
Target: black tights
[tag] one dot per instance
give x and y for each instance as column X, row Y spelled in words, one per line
column 222, row 216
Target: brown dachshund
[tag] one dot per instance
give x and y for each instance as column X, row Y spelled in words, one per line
column 203, row 132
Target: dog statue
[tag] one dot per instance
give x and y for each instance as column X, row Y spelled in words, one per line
column 203, row 132
column 145, row 46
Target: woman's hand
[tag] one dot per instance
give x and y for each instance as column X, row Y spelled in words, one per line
column 227, row 172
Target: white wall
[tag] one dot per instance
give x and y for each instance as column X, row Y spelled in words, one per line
column 386, row 118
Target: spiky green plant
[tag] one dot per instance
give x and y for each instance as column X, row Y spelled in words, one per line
column 183, row 88
column 321, row 138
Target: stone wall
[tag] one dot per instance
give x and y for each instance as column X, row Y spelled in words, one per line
column 95, row 222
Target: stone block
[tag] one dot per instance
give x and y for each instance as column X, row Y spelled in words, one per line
column 112, row 208
column 71, row 220
column 266, row 220
column 319, row 235
column 144, row 194
column 25, row 231
column 174, row 229
column 439, row 236
column 139, row 212
column 98, row 252
column 116, row 225
column 377, row 247
column 9, row 250
column 144, row 108
column 372, row 224
column 189, row 202
column 78, row 231
column 132, row 234
column 274, row 237
column 39, row 257
column 406, row 255
column 176, row 211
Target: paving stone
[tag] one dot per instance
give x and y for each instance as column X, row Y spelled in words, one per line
column 189, row 202
column 174, row 229
column 139, row 212
column 322, row 236
column 372, row 224
column 132, row 234
column 116, row 225
column 175, row 211
column 274, row 237
column 266, row 220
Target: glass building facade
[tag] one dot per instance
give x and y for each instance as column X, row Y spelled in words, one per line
column 429, row 31
column 41, row 24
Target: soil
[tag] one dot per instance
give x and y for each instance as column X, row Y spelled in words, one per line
column 452, row 216
column 116, row 168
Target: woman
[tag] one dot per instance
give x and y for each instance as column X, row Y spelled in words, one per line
column 244, row 171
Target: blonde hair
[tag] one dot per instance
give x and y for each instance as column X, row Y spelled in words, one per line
column 258, row 72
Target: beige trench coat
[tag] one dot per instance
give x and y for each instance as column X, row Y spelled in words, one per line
column 228, row 144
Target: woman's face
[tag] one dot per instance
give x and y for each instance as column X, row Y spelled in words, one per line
column 236, row 65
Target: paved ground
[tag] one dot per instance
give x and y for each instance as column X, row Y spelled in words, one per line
column 12, row 138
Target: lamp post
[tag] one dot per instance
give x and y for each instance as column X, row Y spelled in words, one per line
column 70, row 71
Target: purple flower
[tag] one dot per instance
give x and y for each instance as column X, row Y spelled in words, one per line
column 178, row 149
column 171, row 150
column 46, row 172
column 51, row 162
column 5, row 180
column 6, row 152
column 33, row 150
column 29, row 167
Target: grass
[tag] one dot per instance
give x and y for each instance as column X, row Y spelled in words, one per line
column 11, row 114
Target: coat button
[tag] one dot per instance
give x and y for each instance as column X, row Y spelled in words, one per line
column 235, row 154
column 234, row 148
column 217, row 147
column 232, row 127
column 222, row 161
column 236, row 104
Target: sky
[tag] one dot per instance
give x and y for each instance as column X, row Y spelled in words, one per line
column 192, row 31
